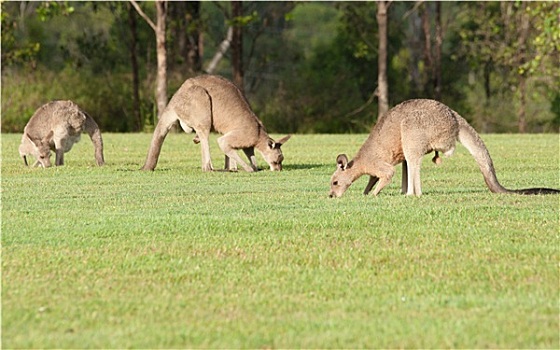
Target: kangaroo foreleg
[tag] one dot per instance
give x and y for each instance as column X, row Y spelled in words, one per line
column 205, row 151
column 250, row 153
column 230, row 164
column 372, row 181
column 381, row 184
column 223, row 142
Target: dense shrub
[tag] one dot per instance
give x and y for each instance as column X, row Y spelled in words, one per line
column 106, row 97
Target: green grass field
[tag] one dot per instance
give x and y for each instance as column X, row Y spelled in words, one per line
column 113, row 257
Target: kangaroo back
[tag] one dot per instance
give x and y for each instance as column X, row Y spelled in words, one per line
column 230, row 108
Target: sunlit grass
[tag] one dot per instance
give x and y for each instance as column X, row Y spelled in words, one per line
column 114, row 257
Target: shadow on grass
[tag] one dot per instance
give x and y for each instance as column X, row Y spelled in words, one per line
column 137, row 168
column 302, row 166
column 288, row 167
column 454, row 191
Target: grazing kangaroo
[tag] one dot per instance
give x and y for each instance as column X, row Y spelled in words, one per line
column 210, row 102
column 56, row 126
column 405, row 134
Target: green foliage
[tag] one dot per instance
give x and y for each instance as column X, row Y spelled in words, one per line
column 492, row 42
column 49, row 9
column 309, row 66
column 243, row 21
column 15, row 51
column 114, row 257
column 105, row 97
column 546, row 41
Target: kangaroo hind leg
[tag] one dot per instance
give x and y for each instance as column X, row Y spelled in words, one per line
column 414, row 183
column 250, row 153
column 197, row 114
column 413, row 153
column 416, row 143
column 404, row 180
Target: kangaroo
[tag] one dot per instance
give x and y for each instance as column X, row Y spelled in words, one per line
column 56, row 126
column 405, row 134
column 210, row 102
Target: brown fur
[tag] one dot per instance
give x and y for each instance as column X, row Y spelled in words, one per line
column 404, row 135
column 56, row 126
column 211, row 103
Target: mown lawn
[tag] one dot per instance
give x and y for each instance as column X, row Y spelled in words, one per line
column 114, row 257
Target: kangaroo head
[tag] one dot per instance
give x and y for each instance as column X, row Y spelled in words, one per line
column 272, row 154
column 40, row 149
column 342, row 177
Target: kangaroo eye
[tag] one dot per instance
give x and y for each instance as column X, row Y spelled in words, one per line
column 335, row 183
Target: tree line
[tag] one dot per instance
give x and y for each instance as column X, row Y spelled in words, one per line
column 329, row 67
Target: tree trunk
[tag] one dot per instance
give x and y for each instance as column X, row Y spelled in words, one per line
column 521, row 112
column 161, row 51
column 437, row 58
column 382, row 82
column 161, row 80
column 428, row 58
column 415, row 43
column 237, row 44
column 135, row 71
column 195, row 43
column 224, row 46
column 487, row 73
column 183, row 21
column 524, row 28
column 177, row 26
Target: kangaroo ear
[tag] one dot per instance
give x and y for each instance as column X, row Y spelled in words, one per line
column 342, row 162
column 271, row 144
column 31, row 140
column 283, row 140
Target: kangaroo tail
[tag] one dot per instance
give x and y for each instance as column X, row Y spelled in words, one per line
column 472, row 141
column 94, row 133
column 539, row 190
column 166, row 121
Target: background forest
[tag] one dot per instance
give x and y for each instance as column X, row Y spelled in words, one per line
column 306, row 67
